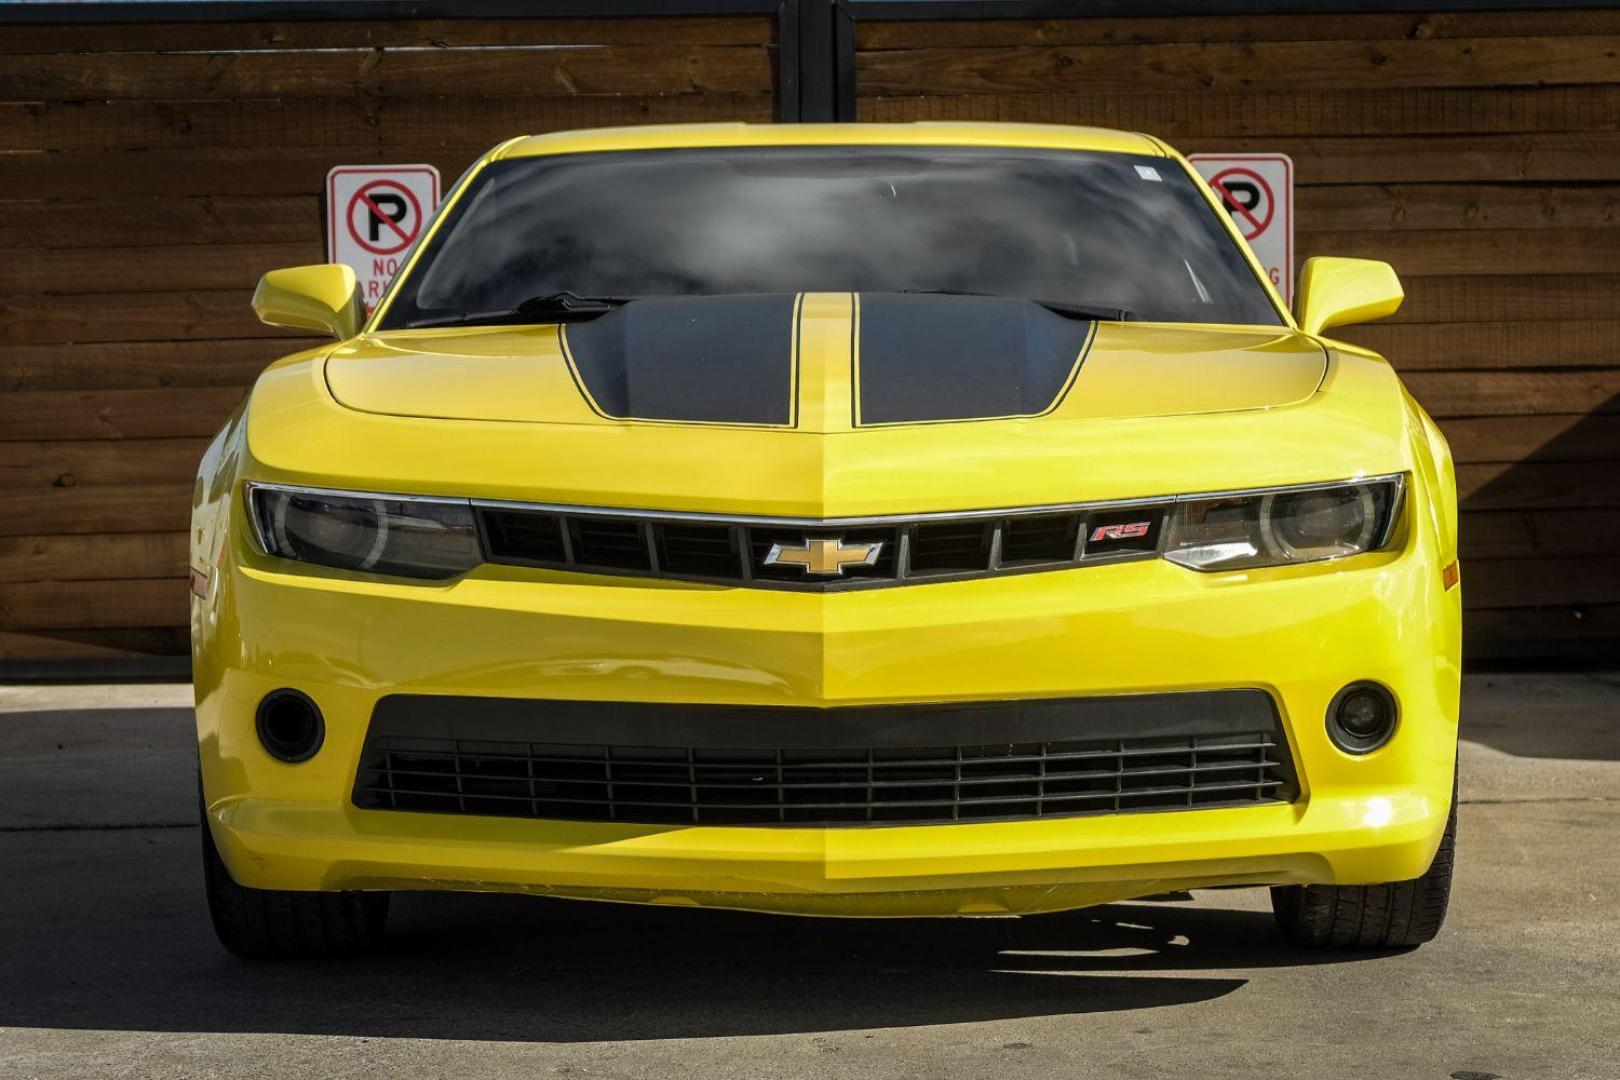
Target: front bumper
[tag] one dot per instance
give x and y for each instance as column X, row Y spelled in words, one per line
column 1299, row 634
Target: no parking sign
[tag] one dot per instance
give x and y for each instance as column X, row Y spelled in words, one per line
column 374, row 214
column 1258, row 191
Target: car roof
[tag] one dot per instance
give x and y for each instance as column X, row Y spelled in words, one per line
column 925, row 133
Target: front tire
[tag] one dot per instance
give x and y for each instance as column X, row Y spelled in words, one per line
column 1398, row 915
column 271, row 924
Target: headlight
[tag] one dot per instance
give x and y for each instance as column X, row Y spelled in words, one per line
column 1285, row 525
column 421, row 538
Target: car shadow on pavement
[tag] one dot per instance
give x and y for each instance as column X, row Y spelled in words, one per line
column 1563, row 716
column 106, row 930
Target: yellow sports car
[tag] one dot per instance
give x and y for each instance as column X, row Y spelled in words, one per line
column 871, row 520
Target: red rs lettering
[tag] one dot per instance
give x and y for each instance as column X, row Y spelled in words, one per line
column 1121, row 532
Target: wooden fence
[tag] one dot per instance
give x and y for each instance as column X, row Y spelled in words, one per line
column 1479, row 152
column 150, row 171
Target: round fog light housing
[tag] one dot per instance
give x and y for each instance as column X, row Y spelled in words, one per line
column 290, row 725
column 1361, row 717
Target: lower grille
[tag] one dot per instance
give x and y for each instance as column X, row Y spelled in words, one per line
column 889, row 780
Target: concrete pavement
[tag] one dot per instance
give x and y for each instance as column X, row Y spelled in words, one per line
column 108, row 967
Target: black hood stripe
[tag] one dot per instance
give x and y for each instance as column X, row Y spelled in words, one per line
column 918, row 359
column 691, row 360
column 914, row 359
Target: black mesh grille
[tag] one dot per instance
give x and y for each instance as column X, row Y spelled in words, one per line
column 952, row 546
column 698, row 550
column 764, row 787
column 402, row 769
column 610, row 543
column 1045, row 538
column 531, row 537
column 911, row 552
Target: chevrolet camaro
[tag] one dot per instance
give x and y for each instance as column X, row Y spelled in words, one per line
column 863, row 520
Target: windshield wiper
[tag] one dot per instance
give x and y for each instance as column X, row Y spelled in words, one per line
column 552, row 307
column 1060, row 307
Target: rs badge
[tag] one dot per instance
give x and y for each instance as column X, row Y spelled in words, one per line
column 1121, row 532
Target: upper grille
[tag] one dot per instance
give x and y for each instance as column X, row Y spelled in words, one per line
column 914, row 551
column 877, row 767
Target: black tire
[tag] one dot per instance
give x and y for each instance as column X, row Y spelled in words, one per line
column 269, row 924
column 1399, row 915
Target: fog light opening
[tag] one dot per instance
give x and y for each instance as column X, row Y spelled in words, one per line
column 290, row 726
column 1361, row 717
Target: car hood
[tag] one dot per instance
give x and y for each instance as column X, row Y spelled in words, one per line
column 824, row 362
column 868, row 408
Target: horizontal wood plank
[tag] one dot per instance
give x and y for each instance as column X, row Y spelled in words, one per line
column 137, row 365
column 131, row 317
column 1461, row 345
column 1265, row 65
column 1537, row 485
column 118, row 508
column 351, row 122
column 1515, row 393
column 1177, row 115
column 1381, row 208
column 1541, row 534
column 1509, row 298
column 117, row 414
column 124, row 643
column 92, row 557
column 78, row 37
column 71, row 462
column 1541, row 632
column 1509, row 583
column 134, row 175
column 564, row 71
column 1472, row 251
column 72, row 271
column 75, row 605
column 1556, row 157
column 1561, row 437
column 161, row 221
column 1274, row 26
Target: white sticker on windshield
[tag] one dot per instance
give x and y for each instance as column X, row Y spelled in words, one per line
column 1148, row 172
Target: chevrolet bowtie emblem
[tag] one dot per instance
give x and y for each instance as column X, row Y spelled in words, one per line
column 823, row 555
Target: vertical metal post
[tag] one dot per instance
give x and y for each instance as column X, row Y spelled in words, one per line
column 818, row 96
column 789, row 61
column 843, row 61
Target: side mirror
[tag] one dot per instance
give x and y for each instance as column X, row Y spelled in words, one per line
column 324, row 298
column 1337, row 292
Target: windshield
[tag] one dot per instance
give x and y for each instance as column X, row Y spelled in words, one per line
column 1098, row 230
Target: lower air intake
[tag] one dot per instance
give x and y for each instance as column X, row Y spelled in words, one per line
column 828, row 767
